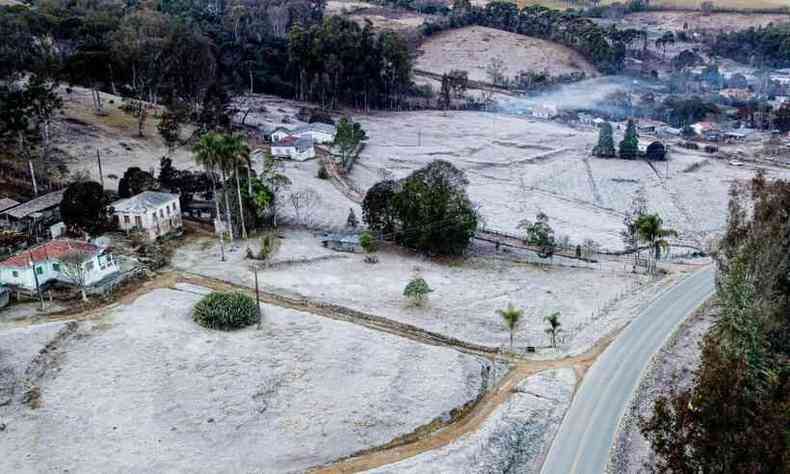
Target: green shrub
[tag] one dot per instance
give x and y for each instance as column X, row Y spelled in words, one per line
column 225, row 311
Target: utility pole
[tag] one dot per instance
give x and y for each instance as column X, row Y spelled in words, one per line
column 101, row 175
column 257, row 296
column 33, row 177
column 35, row 278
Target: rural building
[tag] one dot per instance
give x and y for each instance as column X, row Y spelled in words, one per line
column 319, row 132
column 736, row 94
column 43, row 210
column 150, row 212
column 648, row 126
column 295, row 148
column 545, row 111
column 279, row 133
column 46, row 261
column 341, row 242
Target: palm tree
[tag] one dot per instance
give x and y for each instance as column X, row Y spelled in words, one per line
column 236, row 153
column 554, row 327
column 207, row 155
column 511, row 316
column 650, row 229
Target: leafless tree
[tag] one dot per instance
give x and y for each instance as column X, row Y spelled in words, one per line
column 75, row 267
column 304, row 204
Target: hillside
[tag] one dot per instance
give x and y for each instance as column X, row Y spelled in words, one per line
column 677, row 4
column 472, row 48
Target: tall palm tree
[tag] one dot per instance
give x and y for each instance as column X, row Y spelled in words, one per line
column 207, row 154
column 236, row 153
column 511, row 316
column 554, row 327
column 650, row 228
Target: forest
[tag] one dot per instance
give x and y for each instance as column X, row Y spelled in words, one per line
column 766, row 46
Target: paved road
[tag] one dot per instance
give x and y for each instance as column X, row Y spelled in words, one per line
column 587, row 432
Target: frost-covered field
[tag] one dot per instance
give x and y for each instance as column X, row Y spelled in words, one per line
column 518, row 166
column 515, row 438
column 465, row 297
column 147, row 390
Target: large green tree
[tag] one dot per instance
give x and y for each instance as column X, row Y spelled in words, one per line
column 84, row 207
column 605, row 146
column 629, row 147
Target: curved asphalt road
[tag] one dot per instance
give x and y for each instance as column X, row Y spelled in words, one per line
column 587, row 432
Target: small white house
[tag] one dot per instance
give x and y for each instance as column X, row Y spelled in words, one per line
column 295, row 148
column 44, row 263
column 319, row 132
column 545, row 111
column 152, row 213
column 279, row 133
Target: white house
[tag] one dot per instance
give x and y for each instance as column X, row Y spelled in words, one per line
column 46, row 261
column 319, row 132
column 295, row 148
column 545, row 111
column 279, row 133
column 152, row 213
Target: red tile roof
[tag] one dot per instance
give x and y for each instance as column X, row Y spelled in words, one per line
column 52, row 249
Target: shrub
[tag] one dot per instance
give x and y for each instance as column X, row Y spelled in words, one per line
column 322, row 173
column 417, row 291
column 225, row 311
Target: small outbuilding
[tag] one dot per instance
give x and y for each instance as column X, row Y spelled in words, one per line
column 342, row 242
column 319, row 132
column 294, row 148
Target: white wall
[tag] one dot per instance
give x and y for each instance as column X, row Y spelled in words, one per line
column 149, row 222
column 103, row 266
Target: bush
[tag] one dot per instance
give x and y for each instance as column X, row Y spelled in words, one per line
column 225, row 311
column 322, row 173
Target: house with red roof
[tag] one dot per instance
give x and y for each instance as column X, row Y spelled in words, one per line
column 43, row 265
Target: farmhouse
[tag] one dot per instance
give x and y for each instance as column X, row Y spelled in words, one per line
column 46, row 260
column 279, row 133
column 736, row 94
column 295, row 148
column 152, row 213
column 43, row 210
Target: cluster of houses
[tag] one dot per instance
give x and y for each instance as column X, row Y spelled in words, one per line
column 149, row 214
column 298, row 144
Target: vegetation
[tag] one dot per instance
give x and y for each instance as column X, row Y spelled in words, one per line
column 417, row 291
column 84, row 207
column 770, row 45
column 348, row 140
column 134, row 181
column 225, row 311
column 351, row 221
column 511, row 316
column 367, row 242
column 650, row 228
column 605, row 146
column 428, row 211
column 540, row 234
column 554, row 329
column 629, row 147
column 734, row 416
column 656, row 151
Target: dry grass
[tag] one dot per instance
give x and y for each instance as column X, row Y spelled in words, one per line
column 472, row 48
column 745, row 5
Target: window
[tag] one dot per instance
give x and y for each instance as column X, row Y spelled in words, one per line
column 168, row 209
column 14, row 273
column 89, row 266
column 138, row 221
column 161, row 213
column 40, row 270
column 56, row 267
column 126, row 219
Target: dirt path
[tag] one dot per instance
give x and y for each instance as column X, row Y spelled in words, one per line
column 469, row 422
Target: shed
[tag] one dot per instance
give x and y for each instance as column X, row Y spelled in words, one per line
column 342, row 242
column 44, row 209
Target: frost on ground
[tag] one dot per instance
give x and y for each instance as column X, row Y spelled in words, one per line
column 465, row 297
column 515, row 438
column 472, row 48
column 147, row 390
column 671, row 369
column 518, row 166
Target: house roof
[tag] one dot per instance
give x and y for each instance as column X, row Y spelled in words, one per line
column 38, row 204
column 6, row 203
column 53, row 249
column 344, row 238
column 144, row 201
column 315, row 127
column 300, row 143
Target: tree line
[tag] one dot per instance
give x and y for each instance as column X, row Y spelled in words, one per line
column 766, row 45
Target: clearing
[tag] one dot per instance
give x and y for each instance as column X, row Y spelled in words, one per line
column 745, row 5
column 145, row 388
column 472, row 48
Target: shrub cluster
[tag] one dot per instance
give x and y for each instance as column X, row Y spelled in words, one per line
column 225, row 311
